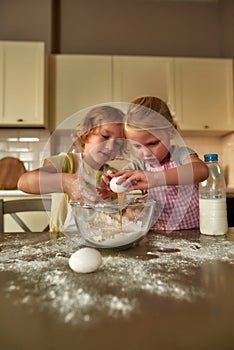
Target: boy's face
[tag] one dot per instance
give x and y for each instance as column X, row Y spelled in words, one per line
column 153, row 148
column 103, row 143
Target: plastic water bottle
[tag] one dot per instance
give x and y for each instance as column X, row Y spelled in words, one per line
column 212, row 199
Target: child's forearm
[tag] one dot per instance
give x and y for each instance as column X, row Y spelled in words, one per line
column 186, row 174
column 38, row 182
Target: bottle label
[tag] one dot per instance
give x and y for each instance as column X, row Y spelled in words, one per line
column 211, row 195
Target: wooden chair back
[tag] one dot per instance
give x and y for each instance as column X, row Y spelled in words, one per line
column 13, row 207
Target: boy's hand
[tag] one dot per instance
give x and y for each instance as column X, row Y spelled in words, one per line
column 103, row 187
column 82, row 188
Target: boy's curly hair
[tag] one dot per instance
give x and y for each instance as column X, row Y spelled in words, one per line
column 95, row 118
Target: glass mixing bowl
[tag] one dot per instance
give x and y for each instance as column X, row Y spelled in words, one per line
column 112, row 224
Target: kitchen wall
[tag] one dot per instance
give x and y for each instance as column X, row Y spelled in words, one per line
column 193, row 28
column 147, row 27
column 135, row 27
column 27, row 20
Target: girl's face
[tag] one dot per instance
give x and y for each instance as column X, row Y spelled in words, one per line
column 103, row 144
column 154, row 149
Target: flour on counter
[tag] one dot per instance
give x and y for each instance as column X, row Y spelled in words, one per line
column 114, row 289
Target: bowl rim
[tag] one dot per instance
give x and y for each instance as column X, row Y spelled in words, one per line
column 106, row 204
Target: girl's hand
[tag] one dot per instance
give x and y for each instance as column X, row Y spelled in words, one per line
column 136, row 179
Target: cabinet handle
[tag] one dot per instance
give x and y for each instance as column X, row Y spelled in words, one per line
column 20, row 120
column 206, row 126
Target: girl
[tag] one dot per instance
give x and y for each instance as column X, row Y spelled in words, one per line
column 164, row 166
column 99, row 136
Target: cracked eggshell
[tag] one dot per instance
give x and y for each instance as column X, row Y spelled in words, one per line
column 117, row 188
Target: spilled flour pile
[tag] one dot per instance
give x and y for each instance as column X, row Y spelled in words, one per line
column 43, row 276
column 105, row 230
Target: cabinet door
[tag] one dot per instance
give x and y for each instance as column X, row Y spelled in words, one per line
column 78, row 82
column 135, row 76
column 22, row 80
column 204, row 94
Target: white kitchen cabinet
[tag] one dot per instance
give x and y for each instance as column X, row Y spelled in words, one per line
column 135, row 76
column 198, row 91
column 78, row 82
column 204, row 94
column 22, row 84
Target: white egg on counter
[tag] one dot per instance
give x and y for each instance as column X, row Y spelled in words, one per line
column 115, row 187
column 85, row 260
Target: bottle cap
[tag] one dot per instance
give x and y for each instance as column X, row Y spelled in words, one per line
column 210, row 157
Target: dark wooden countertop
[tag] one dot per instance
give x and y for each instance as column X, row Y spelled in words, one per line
column 172, row 291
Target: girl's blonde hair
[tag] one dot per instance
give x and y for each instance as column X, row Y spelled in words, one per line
column 148, row 113
column 95, row 118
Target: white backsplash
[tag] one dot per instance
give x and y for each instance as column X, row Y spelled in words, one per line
column 26, row 144
column 228, row 158
column 222, row 145
column 32, row 152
